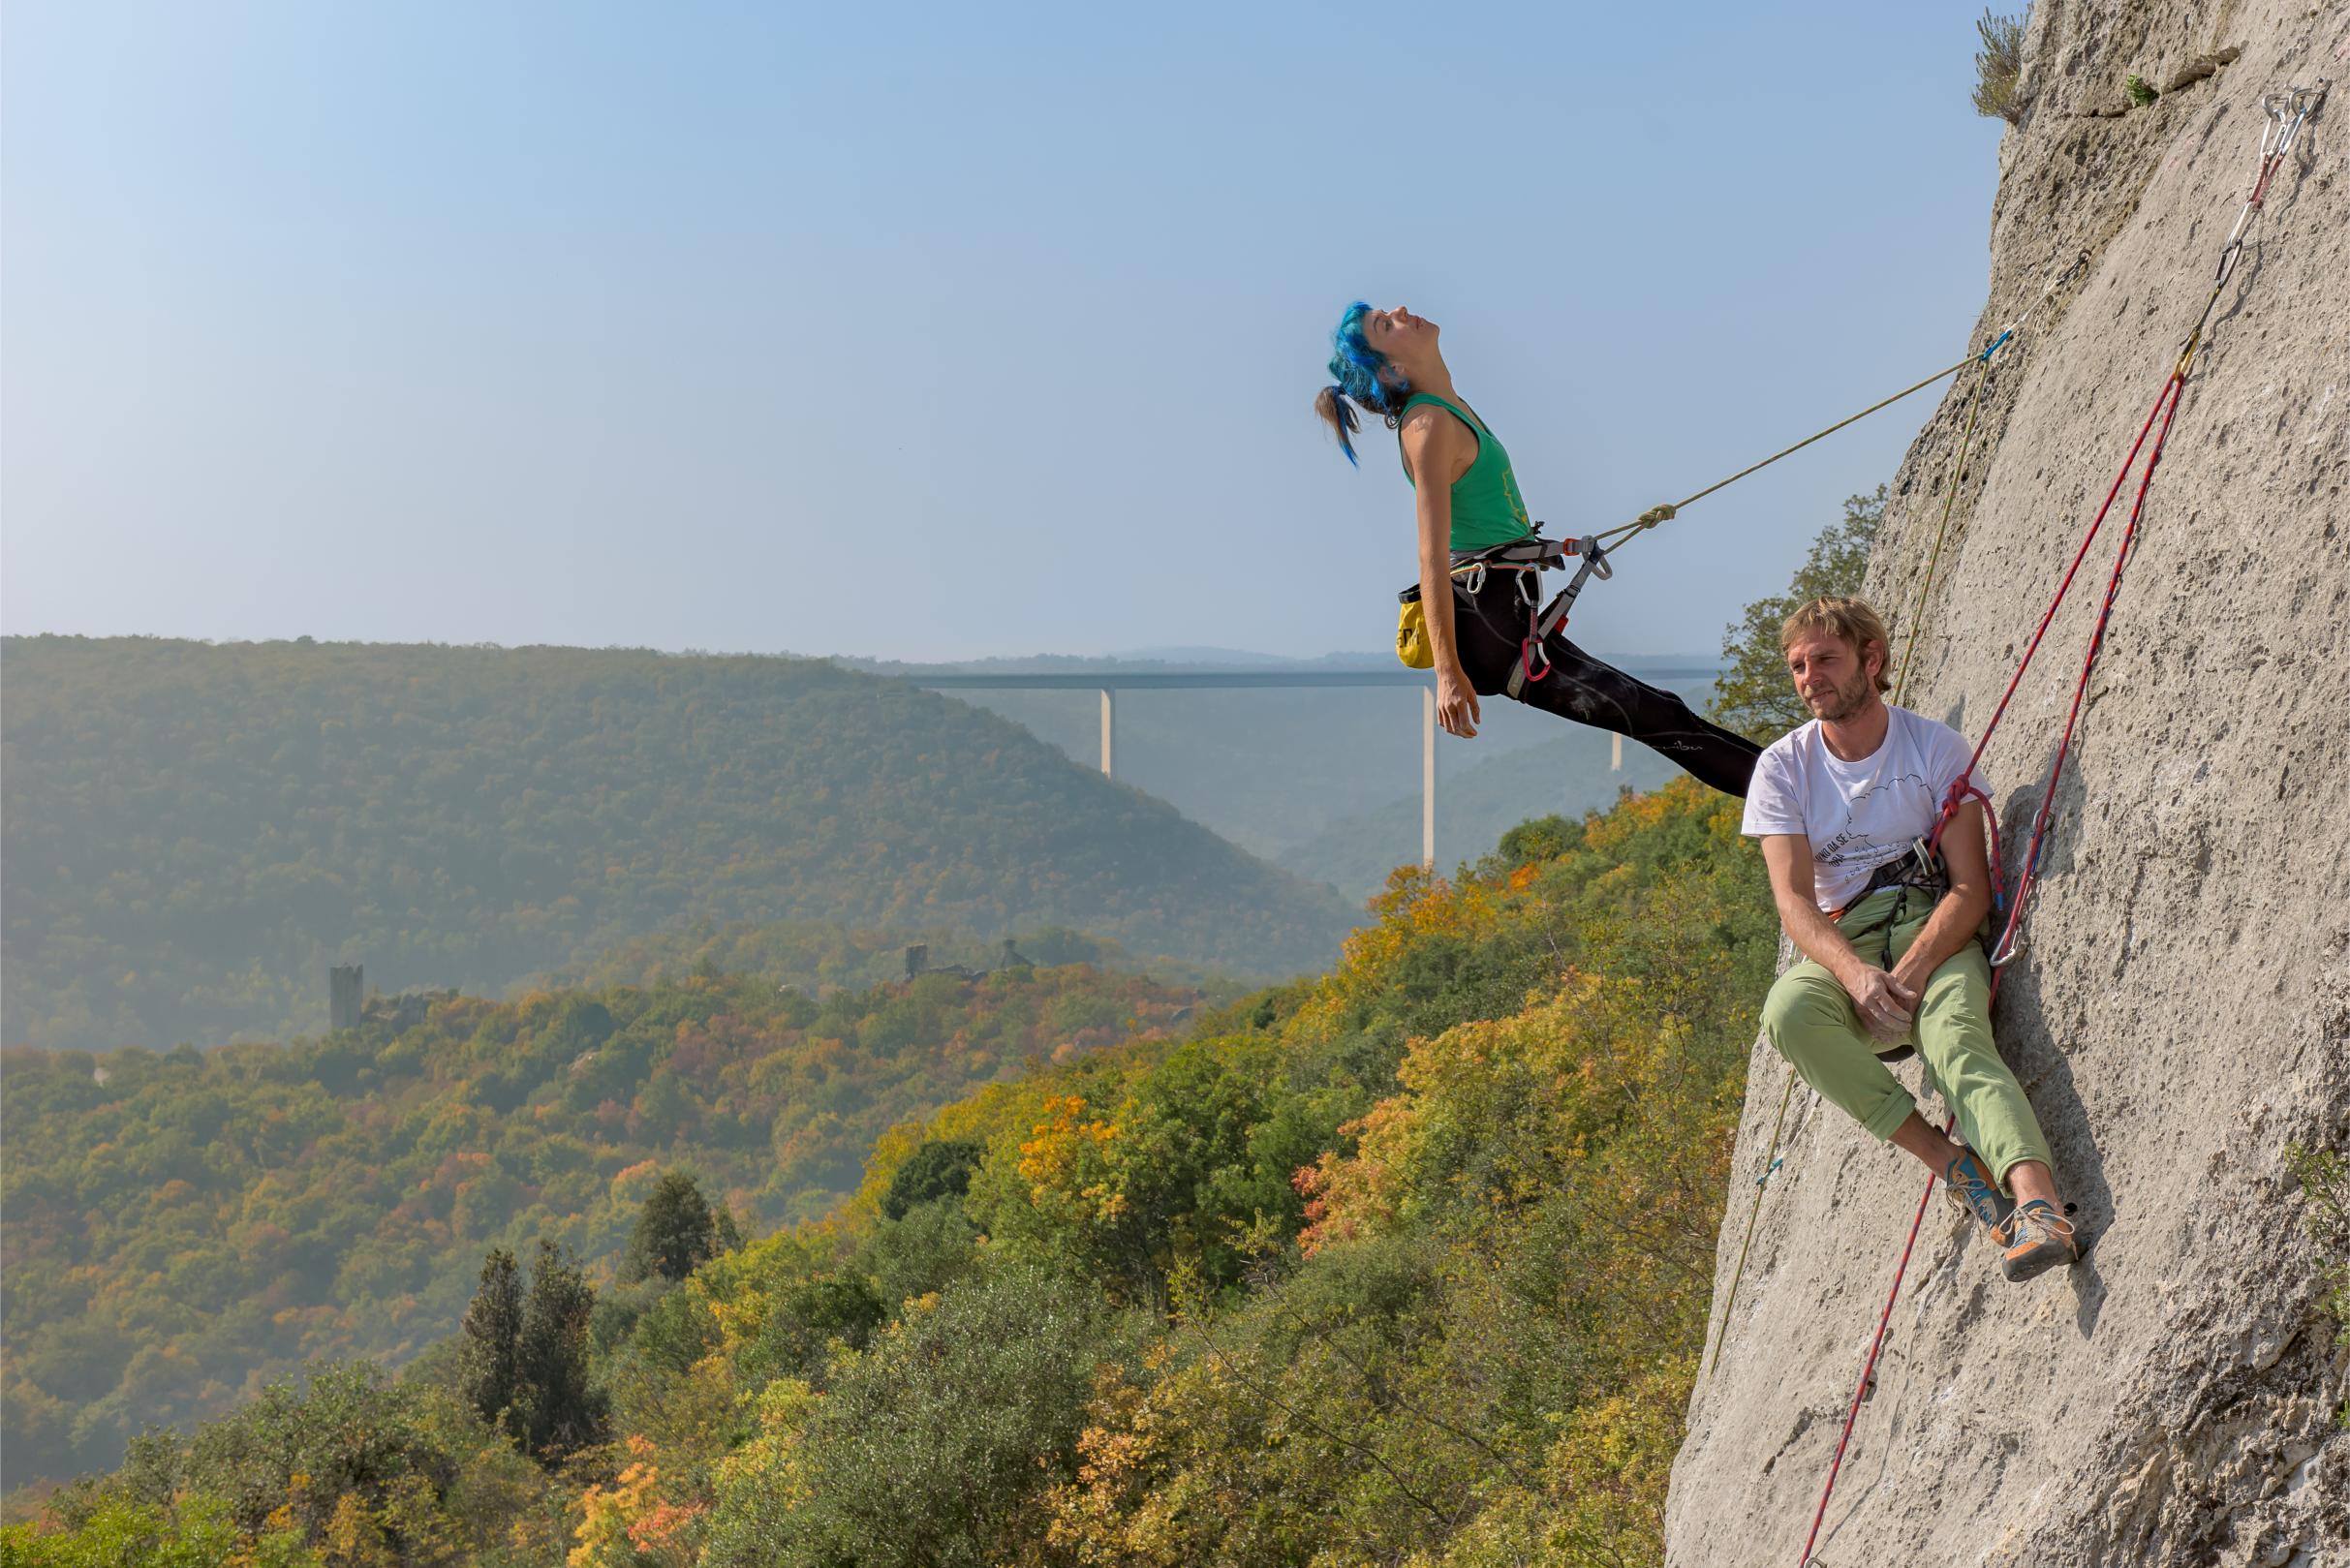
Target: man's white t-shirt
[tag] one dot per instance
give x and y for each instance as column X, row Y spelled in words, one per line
column 1857, row 815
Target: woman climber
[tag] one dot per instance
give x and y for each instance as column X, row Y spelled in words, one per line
column 1388, row 361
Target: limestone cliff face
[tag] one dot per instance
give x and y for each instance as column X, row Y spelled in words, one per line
column 2181, row 1010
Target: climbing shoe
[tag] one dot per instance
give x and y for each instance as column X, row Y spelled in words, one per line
column 1972, row 1188
column 2034, row 1240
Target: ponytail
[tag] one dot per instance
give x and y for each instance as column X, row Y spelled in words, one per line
column 1365, row 375
column 1332, row 405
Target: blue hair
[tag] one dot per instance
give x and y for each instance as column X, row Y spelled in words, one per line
column 1357, row 367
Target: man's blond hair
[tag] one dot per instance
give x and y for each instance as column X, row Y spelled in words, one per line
column 1848, row 620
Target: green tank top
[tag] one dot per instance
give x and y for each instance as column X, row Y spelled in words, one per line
column 1486, row 506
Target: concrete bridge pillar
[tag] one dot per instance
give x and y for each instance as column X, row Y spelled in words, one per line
column 1428, row 777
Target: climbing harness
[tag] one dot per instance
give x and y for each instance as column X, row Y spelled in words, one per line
column 1527, row 556
column 1548, row 618
column 2286, row 113
column 1918, row 866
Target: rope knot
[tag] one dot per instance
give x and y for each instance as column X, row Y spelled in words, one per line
column 1654, row 515
column 2187, row 355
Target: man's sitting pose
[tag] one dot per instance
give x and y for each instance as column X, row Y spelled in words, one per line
column 1840, row 805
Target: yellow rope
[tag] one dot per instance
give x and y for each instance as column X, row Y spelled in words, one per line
column 1913, row 621
column 1663, row 514
column 1770, row 1164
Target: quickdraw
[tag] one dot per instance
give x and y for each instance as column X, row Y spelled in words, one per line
column 1542, row 622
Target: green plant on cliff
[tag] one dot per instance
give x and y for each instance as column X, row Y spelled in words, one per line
column 1998, row 66
column 1752, row 694
column 2325, row 1181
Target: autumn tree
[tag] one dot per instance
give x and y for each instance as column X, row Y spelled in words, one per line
column 932, row 1444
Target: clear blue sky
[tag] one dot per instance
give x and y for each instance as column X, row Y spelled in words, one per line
column 936, row 331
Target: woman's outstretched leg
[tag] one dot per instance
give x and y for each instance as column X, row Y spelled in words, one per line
column 1591, row 693
column 1491, row 628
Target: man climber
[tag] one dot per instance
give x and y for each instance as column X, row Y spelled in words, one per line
column 1840, row 805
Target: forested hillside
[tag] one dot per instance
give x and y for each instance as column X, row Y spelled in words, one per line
column 181, row 1227
column 195, row 832
column 1407, row 1264
column 821, row 954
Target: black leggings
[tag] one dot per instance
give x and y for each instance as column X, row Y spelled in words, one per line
column 1491, row 627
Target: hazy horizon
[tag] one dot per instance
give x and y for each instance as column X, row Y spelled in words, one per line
column 1179, row 654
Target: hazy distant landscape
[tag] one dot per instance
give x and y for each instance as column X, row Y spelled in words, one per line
column 1327, row 782
column 196, row 832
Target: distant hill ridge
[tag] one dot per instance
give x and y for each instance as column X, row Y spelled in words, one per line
column 195, row 831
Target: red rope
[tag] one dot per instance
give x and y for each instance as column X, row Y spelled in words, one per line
column 2065, row 587
column 2096, row 642
column 2166, row 405
column 1869, row 1370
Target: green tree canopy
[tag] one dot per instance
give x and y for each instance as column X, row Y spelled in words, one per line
column 675, row 1232
column 929, row 1446
column 1753, row 695
column 939, row 1169
column 561, row 1411
column 488, row 1371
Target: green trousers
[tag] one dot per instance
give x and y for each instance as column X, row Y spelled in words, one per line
column 1811, row 1022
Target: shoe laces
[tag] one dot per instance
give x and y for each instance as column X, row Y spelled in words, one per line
column 2035, row 1221
column 1963, row 1180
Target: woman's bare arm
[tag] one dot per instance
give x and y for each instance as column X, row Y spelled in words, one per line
column 1438, row 451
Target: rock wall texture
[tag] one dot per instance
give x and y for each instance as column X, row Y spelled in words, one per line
column 2181, row 1010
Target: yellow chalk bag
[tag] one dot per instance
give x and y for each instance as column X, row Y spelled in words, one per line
column 1411, row 632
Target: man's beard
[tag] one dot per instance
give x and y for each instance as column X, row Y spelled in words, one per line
column 1846, row 701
